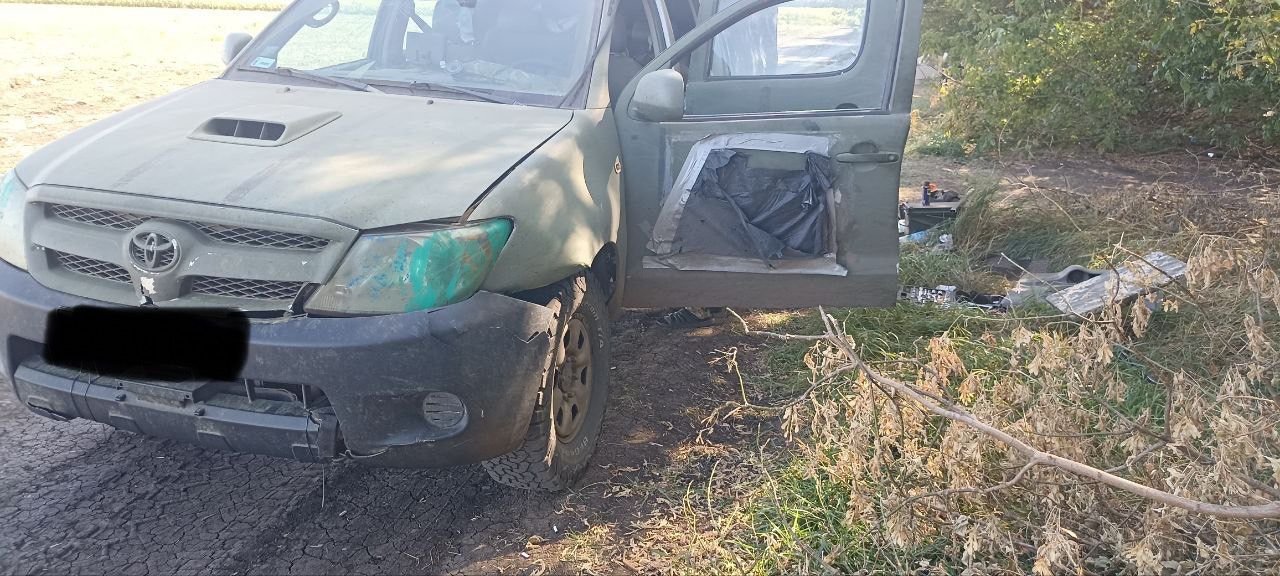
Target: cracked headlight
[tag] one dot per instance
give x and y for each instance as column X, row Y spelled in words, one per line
column 388, row 273
column 13, row 196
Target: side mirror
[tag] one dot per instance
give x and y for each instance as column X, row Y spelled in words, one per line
column 234, row 43
column 659, row 97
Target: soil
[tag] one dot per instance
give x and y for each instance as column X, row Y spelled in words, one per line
column 80, row 497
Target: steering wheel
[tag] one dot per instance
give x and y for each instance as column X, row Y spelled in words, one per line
column 314, row 22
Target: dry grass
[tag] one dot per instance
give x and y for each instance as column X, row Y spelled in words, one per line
column 62, row 67
column 188, row 4
column 1182, row 398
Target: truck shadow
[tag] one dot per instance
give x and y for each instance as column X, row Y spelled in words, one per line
column 82, row 497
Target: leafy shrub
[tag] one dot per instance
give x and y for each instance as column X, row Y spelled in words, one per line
column 1109, row 74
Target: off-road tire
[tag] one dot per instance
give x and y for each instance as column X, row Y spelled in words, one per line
column 545, row 462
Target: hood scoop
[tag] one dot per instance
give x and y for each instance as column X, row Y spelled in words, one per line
column 271, row 125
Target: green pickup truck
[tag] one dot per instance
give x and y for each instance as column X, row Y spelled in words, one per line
column 423, row 215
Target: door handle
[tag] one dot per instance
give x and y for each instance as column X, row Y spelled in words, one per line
column 871, row 158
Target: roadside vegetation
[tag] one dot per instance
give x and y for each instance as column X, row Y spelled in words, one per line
column 820, row 470
column 1115, row 75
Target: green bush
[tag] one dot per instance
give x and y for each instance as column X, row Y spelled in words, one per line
column 1108, row 74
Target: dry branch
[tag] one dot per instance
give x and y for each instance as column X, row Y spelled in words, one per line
column 1035, row 456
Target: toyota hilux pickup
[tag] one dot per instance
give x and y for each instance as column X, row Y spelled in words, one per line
column 395, row 231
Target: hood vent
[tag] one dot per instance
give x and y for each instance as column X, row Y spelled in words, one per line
column 270, row 125
column 251, row 129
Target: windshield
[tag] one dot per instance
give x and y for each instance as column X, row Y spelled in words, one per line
column 525, row 51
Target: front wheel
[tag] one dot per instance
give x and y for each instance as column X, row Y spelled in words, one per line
column 567, row 420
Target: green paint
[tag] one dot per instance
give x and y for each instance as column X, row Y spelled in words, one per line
column 450, row 264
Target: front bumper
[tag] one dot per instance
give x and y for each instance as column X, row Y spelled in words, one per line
column 374, row 374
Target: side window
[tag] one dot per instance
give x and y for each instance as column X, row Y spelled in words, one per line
column 803, row 37
column 326, row 40
column 632, row 45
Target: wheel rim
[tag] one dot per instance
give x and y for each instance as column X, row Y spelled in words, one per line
column 573, row 380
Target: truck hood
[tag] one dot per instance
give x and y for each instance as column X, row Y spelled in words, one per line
column 360, row 159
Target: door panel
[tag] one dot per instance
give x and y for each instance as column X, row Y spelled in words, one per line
column 861, row 116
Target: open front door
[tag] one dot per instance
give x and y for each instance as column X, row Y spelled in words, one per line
column 776, row 184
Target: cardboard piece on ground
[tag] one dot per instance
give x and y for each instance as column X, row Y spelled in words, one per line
column 1129, row 279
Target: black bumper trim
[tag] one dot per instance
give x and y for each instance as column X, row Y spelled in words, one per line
column 491, row 351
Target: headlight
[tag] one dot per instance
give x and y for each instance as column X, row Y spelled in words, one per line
column 13, row 197
column 392, row 273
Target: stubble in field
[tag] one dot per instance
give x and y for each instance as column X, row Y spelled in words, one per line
column 63, row 67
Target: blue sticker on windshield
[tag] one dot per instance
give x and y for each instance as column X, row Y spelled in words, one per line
column 263, row 62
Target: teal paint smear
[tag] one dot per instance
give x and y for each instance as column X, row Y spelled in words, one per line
column 451, row 264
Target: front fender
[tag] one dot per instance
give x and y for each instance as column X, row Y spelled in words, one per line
column 566, row 201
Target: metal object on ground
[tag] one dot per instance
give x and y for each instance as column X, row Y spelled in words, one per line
column 1035, row 286
column 923, row 217
column 1127, row 280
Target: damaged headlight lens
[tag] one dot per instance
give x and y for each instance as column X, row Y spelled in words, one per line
column 406, row 272
column 13, row 197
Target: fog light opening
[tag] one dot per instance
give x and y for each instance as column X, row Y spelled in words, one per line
column 444, row 410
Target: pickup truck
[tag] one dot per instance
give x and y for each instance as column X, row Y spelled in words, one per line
column 395, row 231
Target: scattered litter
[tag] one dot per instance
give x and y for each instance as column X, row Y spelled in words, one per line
column 994, row 302
column 524, row 555
column 1129, row 279
column 922, row 295
column 916, row 238
column 930, row 193
column 950, row 296
column 934, row 207
column 1036, row 286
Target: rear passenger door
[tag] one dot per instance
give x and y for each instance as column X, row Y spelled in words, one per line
column 778, row 185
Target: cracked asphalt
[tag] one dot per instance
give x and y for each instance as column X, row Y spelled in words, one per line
column 81, row 497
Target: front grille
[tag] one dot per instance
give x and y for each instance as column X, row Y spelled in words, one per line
column 97, row 217
column 226, row 234
column 92, row 267
column 263, row 238
column 244, row 288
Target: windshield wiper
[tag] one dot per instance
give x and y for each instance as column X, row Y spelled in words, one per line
column 332, row 80
column 485, row 96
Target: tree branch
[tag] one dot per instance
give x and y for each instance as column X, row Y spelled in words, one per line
column 1034, row 455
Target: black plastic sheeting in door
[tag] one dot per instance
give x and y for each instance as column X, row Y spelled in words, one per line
column 738, row 211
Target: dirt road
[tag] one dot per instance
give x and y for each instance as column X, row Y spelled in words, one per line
column 81, row 497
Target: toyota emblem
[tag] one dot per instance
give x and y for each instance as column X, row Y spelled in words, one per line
column 153, row 252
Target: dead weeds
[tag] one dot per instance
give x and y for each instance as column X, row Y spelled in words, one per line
column 1176, row 392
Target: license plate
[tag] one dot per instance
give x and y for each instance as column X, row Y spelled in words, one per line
column 166, row 344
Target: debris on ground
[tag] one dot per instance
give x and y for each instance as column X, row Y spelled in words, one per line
column 949, row 296
column 934, row 208
column 1129, row 279
column 1033, row 286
